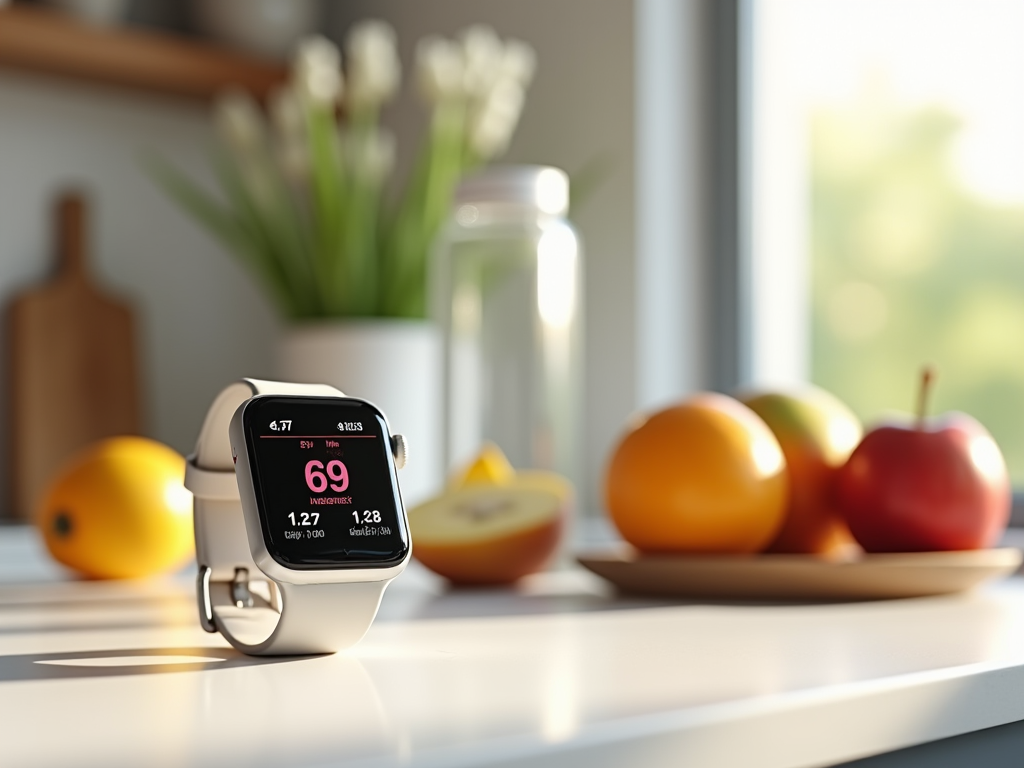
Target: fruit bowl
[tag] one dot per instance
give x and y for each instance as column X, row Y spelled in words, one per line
column 801, row 577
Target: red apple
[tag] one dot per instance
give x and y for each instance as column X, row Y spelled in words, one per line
column 930, row 485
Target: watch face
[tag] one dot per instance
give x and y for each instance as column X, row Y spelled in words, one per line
column 325, row 484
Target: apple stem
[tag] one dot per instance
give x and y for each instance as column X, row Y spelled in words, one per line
column 924, row 393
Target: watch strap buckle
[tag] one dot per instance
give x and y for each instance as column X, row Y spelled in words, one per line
column 203, row 598
column 236, row 594
column 240, row 593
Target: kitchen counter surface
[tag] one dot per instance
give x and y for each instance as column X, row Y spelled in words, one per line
column 559, row 672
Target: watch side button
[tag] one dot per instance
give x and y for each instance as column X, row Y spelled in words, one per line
column 399, row 450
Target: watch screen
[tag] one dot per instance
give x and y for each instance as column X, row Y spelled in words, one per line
column 325, row 485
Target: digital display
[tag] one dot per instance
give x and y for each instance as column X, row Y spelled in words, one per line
column 325, row 486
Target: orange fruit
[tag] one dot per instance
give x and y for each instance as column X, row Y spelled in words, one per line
column 119, row 509
column 706, row 475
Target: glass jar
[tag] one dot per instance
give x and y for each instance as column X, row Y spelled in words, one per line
column 506, row 293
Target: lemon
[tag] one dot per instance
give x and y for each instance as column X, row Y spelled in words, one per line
column 119, row 510
column 490, row 467
column 493, row 524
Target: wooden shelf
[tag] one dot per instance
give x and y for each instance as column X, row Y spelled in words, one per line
column 41, row 40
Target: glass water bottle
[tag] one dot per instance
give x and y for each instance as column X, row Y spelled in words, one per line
column 506, row 292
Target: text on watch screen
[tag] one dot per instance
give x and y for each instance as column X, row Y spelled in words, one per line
column 324, row 486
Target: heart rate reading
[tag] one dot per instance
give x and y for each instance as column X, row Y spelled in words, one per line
column 367, row 516
column 318, row 482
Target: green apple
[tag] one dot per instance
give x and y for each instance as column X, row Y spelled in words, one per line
column 817, row 432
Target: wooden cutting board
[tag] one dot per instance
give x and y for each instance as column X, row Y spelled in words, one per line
column 73, row 367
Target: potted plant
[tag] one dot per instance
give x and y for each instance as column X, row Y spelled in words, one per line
column 304, row 200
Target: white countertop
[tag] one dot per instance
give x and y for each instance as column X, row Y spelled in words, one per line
column 556, row 673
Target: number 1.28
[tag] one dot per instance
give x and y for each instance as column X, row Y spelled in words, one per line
column 368, row 516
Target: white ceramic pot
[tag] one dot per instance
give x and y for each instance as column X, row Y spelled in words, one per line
column 265, row 27
column 395, row 364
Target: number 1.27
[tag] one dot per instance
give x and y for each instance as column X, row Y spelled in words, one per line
column 305, row 518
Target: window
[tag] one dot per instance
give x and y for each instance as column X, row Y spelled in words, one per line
column 888, row 187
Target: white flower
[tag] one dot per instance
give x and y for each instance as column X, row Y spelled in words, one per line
column 291, row 150
column 293, row 160
column 379, row 155
column 239, row 121
column 370, row 154
column 482, row 54
column 439, row 69
column 374, row 70
column 518, row 62
column 494, row 122
column 316, row 71
column 382, row 155
column 286, row 114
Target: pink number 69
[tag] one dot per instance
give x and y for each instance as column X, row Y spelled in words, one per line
column 339, row 473
column 315, row 480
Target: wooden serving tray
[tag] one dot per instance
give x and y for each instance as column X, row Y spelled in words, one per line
column 801, row 577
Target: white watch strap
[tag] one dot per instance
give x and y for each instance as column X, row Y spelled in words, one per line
column 289, row 618
column 302, row 619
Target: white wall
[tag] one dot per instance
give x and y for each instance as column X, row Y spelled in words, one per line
column 201, row 320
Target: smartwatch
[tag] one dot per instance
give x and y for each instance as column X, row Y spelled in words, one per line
column 299, row 520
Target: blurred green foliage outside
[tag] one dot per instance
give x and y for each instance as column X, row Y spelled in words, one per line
column 910, row 267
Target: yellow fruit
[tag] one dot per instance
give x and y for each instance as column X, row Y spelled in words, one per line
column 119, row 510
column 487, row 534
column 704, row 476
column 490, row 467
column 492, row 525
column 546, row 481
